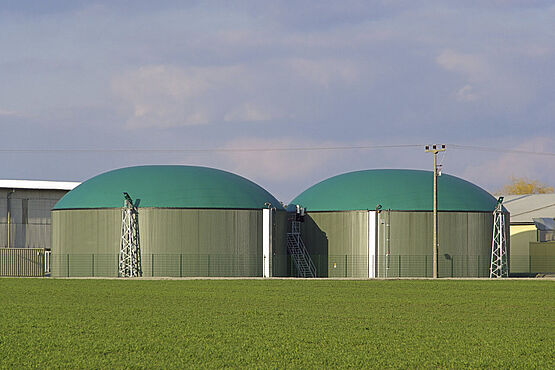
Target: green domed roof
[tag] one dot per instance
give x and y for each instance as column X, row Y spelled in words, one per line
column 402, row 190
column 168, row 187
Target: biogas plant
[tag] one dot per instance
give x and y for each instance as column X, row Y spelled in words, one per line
column 187, row 221
column 175, row 221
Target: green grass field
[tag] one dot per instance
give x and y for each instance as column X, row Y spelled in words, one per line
column 276, row 323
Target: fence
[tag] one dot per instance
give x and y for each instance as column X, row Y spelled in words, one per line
column 34, row 262
column 531, row 265
column 356, row 266
column 22, row 262
column 161, row 265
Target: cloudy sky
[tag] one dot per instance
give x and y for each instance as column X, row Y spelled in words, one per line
column 190, row 75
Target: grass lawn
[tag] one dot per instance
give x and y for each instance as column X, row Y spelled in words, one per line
column 276, row 323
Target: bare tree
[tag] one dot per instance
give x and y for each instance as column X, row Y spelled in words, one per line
column 522, row 185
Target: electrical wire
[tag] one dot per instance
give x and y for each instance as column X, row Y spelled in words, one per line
column 498, row 150
column 203, row 150
column 282, row 149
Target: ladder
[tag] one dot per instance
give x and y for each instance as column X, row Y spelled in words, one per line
column 130, row 248
column 299, row 254
column 499, row 267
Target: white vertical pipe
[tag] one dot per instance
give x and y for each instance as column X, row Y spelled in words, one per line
column 266, row 241
column 371, row 244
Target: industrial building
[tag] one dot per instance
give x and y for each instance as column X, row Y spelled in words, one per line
column 198, row 221
column 193, row 221
column 25, row 211
column 25, row 224
column 378, row 223
column 532, row 233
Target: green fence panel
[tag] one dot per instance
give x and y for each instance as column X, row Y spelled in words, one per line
column 24, row 262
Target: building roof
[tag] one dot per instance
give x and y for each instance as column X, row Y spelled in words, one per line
column 409, row 190
column 524, row 208
column 35, row 184
column 168, row 187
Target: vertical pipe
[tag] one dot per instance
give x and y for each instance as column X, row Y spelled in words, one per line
column 8, row 214
column 372, row 238
column 266, row 241
column 92, row 264
column 434, row 273
column 388, row 247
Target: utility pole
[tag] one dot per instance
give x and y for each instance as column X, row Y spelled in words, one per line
column 435, row 149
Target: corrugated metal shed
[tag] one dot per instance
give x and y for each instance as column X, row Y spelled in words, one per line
column 37, row 185
column 25, row 211
column 400, row 190
column 524, row 208
column 169, row 187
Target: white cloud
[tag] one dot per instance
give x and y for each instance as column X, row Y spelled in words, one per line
column 165, row 96
column 496, row 170
column 248, row 112
column 489, row 80
column 466, row 93
column 275, row 166
column 473, row 66
column 168, row 96
column 8, row 113
column 325, row 72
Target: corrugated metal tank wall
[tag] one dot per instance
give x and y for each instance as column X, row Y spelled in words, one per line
column 85, row 242
column 338, row 243
column 279, row 238
column 174, row 242
column 464, row 244
column 209, row 242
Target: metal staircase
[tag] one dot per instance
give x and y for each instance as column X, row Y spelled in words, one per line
column 299, row 254
column 499, row 267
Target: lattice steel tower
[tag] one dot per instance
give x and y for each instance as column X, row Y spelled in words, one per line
column 130, row 246
column 499, row 267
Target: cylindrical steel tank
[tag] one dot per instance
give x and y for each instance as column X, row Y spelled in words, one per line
column 378, row 223
column 193, row 221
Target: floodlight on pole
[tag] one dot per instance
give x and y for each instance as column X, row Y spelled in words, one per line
column 435, row 149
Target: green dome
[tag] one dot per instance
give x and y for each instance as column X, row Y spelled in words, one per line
column 401, row 190
column 168, row 187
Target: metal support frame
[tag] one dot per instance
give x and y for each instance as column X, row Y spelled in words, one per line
column 435, row 149
column 499, row 267
column 130, row 249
